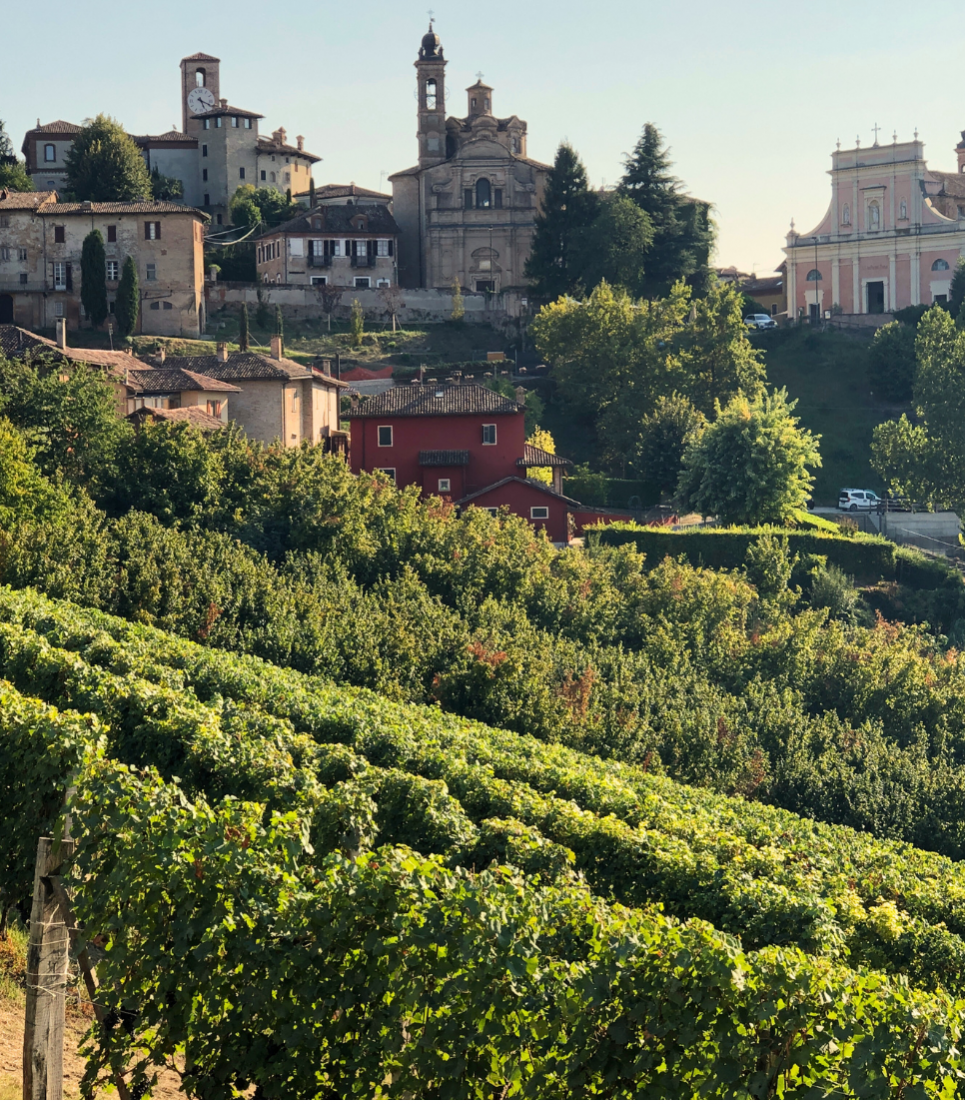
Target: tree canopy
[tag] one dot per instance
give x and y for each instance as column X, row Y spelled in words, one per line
column 105, row 166
column 13, row 173
column 751, row 464
column 251, row 206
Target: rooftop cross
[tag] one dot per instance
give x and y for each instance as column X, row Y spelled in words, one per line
column 876, row 128
column 479, row 75
column 432, row 16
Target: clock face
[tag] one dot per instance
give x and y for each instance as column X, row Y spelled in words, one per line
column 200, row 100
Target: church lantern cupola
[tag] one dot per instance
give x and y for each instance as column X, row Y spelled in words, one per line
column 431, row 94
column 480, row 99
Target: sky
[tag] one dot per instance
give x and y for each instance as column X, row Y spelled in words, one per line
column 750, row 98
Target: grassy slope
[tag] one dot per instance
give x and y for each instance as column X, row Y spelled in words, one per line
column 827, row 374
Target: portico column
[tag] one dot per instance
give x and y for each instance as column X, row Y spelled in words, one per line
column 892, row 283
column 835, row 282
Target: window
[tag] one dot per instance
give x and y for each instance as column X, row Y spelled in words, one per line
column 4, row 222
column 317, row 223
column 385, row 436
column 60, row 234
column 204, row 175
column 773, row 308
column 214, row 407
column 316, row 280
column 493, row 511
column 21, row 254
column 50, row 152
column 485, row 285
column 431, row 94
column 23, row 277
column 207, row 200
column 219, row 220
column 50, row 184
column 110, row 306
column 112, row 270
column 539, row 513
column 903, row 210
column 247, row 124
column 432, row 144
column 515, row 144
column 217, row 123
column 152, row 231
column 288, row 178
column 362, row 282
column 390, row 472
column 940, row 299
column 155, row 305
column 234, row 121
column 241, row 173
column 206, row 123
column 294, row 402
column 472, row 103
column 204, row 151
column 4, row 252
column 264, row 175
column 467, row 198
column 814, row 275
column 151, row 272
column 444, row 486
column 940, row 266
column 483, row 193
column 167, row 304
column 382, row 283
column 60, row 276
column 59, row 310
column 497, row 197
column 112, row 233
column 199, row 76
column 271, row 177
column 382, row 247
column 846, row 216
column 488, row 434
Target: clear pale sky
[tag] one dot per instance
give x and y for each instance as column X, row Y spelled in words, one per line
column 750, row 97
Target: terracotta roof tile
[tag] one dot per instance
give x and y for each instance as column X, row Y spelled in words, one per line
column 269, row 145
column 535, row 484
column 200, row 57
column 25, row 201
column 227, row 110
column 15, row 341
column 537, row 458
column 137, row 208
column 59, row 126
column 245, row 366
column 338, row 220
column 191, row 414
column 417, row 400
column 168, row 379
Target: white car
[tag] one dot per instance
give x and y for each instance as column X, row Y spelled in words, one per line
column 853, row 499
column 760, row 322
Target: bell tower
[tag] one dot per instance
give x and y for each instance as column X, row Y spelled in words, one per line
column 198, row 71
column 431, row 91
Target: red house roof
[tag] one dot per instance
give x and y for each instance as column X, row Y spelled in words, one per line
column 533, row 484
column 417, row 400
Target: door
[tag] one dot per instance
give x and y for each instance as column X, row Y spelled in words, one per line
column 876, row 297
column 814, row 312
column 6, row 310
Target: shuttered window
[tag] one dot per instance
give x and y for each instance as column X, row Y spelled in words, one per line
column 152, row 231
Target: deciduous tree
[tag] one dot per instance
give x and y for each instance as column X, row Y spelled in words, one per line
column 891, row 362
column 104, row 165
column 751, row 464
column 614, row 247
column 664, row 436
column 13, row 173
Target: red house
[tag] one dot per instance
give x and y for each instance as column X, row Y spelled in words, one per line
column 462, row 442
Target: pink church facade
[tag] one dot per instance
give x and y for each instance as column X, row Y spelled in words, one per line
column 891, row 237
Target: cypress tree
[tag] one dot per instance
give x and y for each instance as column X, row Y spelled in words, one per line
column 956, row 293
column 243, row 334
column 279, row 321
column 93, row 279
column 311, row 194
column 568, row 208
column 127, row 303
column 104, row 164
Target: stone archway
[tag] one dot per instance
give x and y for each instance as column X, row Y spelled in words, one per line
column 6, row 310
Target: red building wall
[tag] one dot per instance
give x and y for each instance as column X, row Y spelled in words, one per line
column 411, row 435
column 520, row 497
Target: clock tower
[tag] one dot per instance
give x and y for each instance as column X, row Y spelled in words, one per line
column 201, row 85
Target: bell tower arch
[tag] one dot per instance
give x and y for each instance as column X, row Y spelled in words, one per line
column 431, row 93
column 198, row 71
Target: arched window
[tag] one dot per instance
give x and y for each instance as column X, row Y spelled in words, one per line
column 940, row 266
column 874, row 216
column 814, row 275
column 903, row 210
column 199, row 78
column 50, row 152
column 483, row 193
column 431, row 94
column 846, row 216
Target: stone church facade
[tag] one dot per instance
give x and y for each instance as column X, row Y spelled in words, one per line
column 891, row 237
column 466, row 210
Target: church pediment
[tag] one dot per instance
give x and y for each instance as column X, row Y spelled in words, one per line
column 477, row 149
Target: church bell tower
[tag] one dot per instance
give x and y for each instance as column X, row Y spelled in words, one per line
column 431, row 75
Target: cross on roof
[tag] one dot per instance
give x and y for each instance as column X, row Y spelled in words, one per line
column 876, row 128
column 432, row 16
column 479, row 75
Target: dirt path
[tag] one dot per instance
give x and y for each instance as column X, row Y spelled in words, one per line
column 11, row 1058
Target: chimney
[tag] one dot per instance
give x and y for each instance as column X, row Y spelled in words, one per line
column 300, row 141
column 61, row 333
column 223, row 351
column 224, row 104
column 276, row 347
column 161, row 355
column 282, row 135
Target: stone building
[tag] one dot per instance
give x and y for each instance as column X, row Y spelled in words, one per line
column 466, row 210
column 891, row 237
column 40, row 248
column 277, row 398
column 217, row 149
column 349, row 246
column 338, row 195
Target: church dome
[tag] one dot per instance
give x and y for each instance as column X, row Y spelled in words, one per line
column 431, row 45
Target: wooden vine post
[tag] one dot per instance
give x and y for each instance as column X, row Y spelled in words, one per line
column 47, row 958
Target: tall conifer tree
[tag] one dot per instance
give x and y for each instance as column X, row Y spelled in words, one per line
column 128, row 299
column 93, row 278
column 243, row 338
column 568, row 208
column 683, row 230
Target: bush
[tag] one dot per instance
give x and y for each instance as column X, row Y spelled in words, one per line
column 891, row 362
